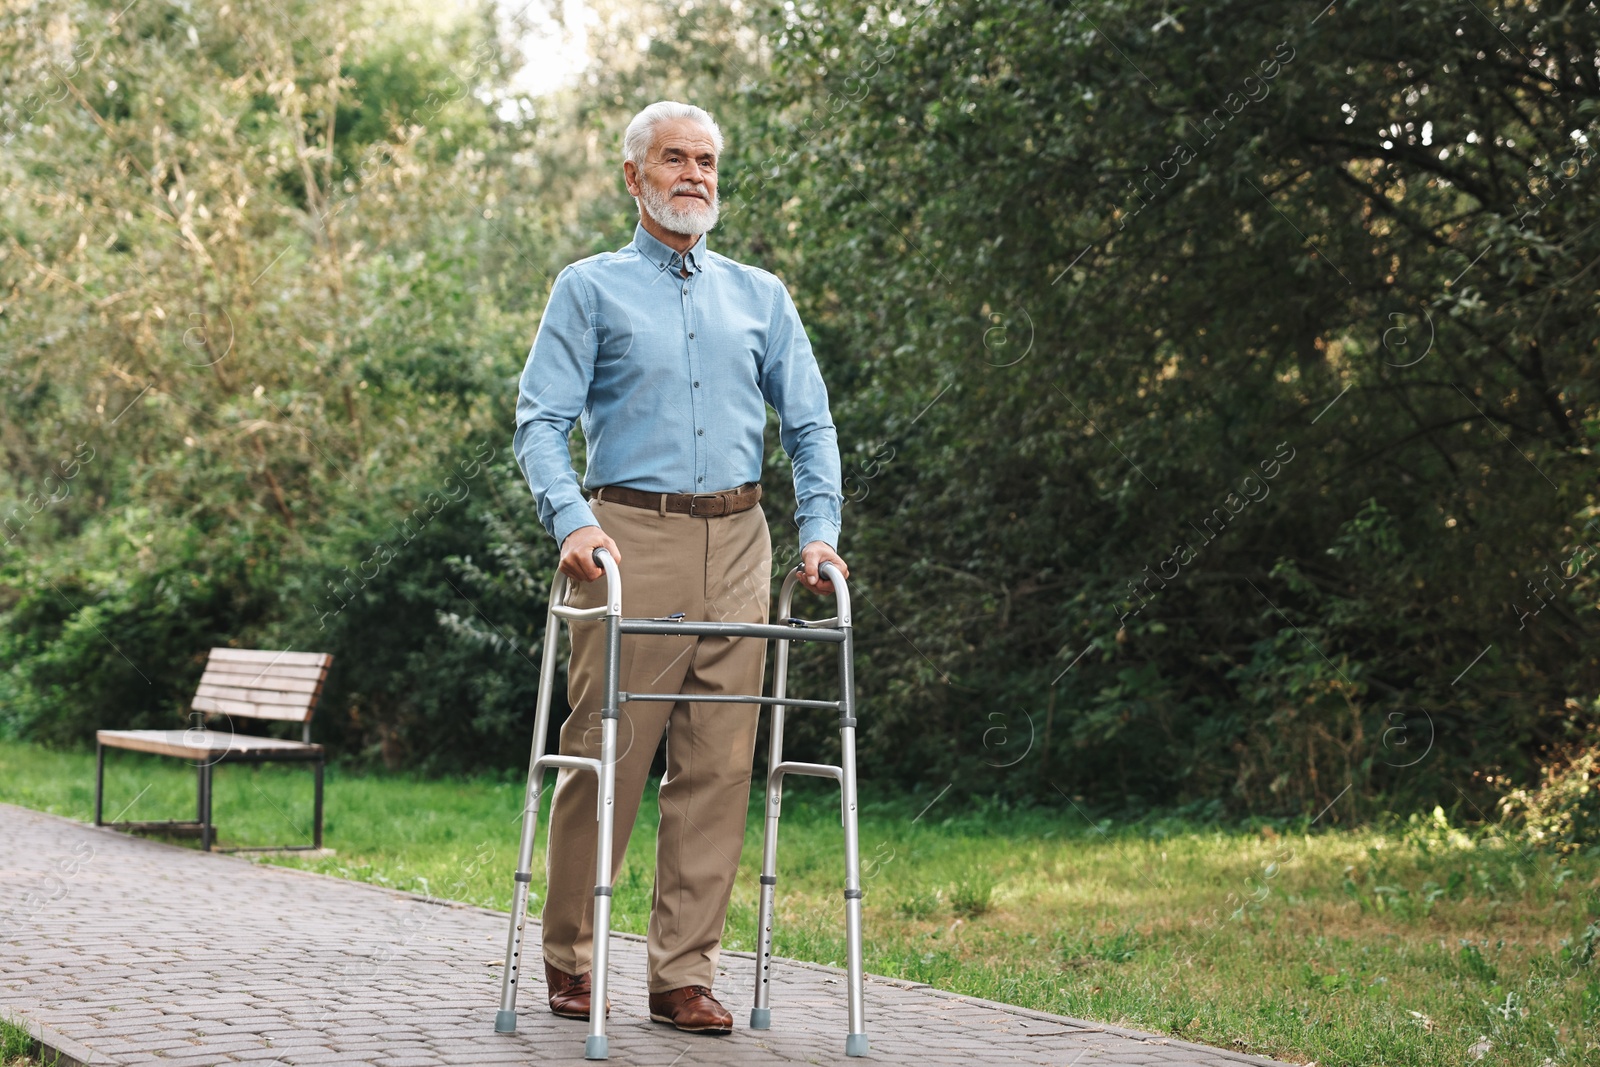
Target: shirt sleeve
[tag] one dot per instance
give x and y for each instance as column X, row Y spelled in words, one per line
column 553, row 393
column 792, row 384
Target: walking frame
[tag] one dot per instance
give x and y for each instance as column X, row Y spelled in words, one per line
column 836, row 630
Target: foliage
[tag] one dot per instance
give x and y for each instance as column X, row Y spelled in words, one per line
column 1561, row 813
column 1216, row 385
column 1237, row 366
column 266, row 271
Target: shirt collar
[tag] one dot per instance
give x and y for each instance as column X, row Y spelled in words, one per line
column 666, row 258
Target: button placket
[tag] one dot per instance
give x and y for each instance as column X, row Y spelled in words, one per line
column 692, row 349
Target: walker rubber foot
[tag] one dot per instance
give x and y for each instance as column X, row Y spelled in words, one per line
column 594, row 1047
column 505, row 1022
column 761, row 1018
column 855, row 1045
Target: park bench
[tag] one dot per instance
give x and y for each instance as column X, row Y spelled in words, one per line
column 237, row 683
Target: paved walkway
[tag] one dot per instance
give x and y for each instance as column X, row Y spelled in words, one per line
column 119, row 950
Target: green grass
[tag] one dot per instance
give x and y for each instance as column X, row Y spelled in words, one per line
column 1404, row 944
column 17, row 1047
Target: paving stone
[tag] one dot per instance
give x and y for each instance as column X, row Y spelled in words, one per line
column 306, row 970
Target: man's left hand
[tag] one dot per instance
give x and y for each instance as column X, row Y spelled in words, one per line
column 812, row 557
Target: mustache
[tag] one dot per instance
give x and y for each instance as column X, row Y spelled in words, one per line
column 698, row 189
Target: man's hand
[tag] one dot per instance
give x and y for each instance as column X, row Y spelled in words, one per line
column 813, row 556
column 577, row 553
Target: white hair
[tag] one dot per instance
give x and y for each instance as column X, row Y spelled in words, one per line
column 641, row 132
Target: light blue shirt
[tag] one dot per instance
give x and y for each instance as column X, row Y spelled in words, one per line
column 672, row 377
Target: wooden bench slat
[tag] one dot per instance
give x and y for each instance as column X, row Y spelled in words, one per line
column 256, row 696
column 251, row 681
column 261, row 656
column 196, row 744
column 260, row 683
column 266, row 670
column 304, row 679
column 251, row 710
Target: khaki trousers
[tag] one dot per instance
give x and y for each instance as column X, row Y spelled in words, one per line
column 711, row 569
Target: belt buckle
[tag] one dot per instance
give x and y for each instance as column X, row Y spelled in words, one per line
column 709, row 514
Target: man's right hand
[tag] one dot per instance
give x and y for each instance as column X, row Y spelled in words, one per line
column 577, row 553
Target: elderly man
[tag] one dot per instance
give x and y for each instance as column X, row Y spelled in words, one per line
column 671, row 354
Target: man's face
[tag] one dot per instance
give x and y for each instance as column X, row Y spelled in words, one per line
column 677, row 184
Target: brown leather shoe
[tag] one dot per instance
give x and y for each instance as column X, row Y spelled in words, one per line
column 569, row 993
column 691, row 1008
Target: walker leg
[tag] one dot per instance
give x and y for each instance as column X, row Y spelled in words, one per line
column 505, row 1020
column 761, row 1014
column 856, row 1041
column 595, row 1047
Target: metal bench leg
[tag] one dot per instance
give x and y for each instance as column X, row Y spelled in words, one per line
column 505, row 1020
column 204, row 806
column 761, row 1013
column 99, row 782
column 316, row 811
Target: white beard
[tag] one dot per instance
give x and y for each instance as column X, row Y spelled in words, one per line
column 689, row 221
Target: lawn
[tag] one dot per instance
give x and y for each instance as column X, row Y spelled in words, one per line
column 17, row 1047
column 1416, row 942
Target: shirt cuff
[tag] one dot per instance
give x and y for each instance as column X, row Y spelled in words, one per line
column 574, row 516
column 820, row 530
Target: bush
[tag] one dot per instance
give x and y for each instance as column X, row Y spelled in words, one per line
column 82, row 650
column 1562, row 813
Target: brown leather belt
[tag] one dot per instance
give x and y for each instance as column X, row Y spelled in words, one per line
column 700, row 505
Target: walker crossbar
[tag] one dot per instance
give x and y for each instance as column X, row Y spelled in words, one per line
column 732, row 698
column 729, row 629
column 815, row 770
column 566, row 612
column 836, row 630
column 810, row 770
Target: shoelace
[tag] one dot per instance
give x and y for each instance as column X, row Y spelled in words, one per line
column 698, row 991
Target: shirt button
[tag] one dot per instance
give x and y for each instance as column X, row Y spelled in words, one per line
column 702, row 433
column 686, row 290
column 697, row 385
column 701, row 480
column 691, row 336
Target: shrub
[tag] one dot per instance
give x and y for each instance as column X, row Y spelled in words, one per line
column 1562, row 813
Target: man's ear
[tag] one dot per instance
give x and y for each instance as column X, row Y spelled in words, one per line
column 630, row 176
